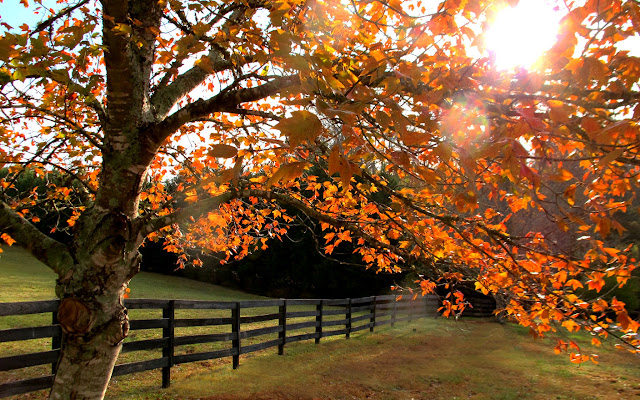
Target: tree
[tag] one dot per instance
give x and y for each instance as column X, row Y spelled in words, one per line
column 243, row 97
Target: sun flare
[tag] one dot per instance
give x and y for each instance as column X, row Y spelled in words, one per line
column 520, row 35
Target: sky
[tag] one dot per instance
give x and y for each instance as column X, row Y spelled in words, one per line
column 15, row 14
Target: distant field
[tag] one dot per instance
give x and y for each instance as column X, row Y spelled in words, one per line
column 427, row 359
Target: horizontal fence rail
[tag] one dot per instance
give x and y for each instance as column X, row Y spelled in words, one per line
column 287, row 321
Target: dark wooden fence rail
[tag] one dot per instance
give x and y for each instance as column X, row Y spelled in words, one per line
column 316, row 319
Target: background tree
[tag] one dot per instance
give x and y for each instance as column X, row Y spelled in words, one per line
column 243, row 97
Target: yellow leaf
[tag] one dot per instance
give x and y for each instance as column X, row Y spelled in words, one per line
column 122, row 29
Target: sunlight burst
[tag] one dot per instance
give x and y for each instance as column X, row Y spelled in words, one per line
column 519, row 35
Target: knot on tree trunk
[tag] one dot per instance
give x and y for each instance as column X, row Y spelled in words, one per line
column 117, row 329
column 75, row 317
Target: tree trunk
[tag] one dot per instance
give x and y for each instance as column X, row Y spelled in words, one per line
column 93, row 331
column 501, row 304
column 91, row 313
column 85, row 367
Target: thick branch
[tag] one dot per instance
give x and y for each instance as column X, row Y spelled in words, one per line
column 128, row 66
column 166, row 97
column 51, row 252
column 226, row 101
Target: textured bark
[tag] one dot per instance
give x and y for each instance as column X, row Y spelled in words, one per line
column 91, row 313
column 87, row 360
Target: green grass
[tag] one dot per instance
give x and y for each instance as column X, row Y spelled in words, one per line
column 427, row 359
column 23, row 278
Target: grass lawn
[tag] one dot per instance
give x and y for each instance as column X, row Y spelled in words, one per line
column 23, row 278
column 427, row 359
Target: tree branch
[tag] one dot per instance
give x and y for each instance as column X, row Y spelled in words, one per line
column 49, row 21
column 256, row 113
column 226, row 101
column 62, row 120
column 167, row 96
column 51, row 252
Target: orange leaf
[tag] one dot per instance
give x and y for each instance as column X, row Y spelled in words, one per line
column 7, row 239
column 623, row 320
column 574, row 283
column 571, row 325
column 287, row 173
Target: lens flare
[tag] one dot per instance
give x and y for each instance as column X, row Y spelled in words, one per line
column 520, row 35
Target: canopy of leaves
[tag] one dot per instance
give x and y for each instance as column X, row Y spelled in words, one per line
column 247, row 100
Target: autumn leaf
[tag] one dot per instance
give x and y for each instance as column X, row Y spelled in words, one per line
column 611, row 156
column 570, row 325
column 444, row 151
column 287, row 173
column 222, row 151
column 7, row 239
column 300, row 127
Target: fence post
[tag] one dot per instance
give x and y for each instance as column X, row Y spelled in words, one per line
column 425, row 309
column 168, row 350
column 411, row 305
column 372, row 313
column 282, row 335
column 55, row 341
column 348, row 324
column 393, row 312
column 319, row 311
column 235, row 328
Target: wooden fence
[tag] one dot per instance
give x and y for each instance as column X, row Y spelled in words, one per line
column 323, row 318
